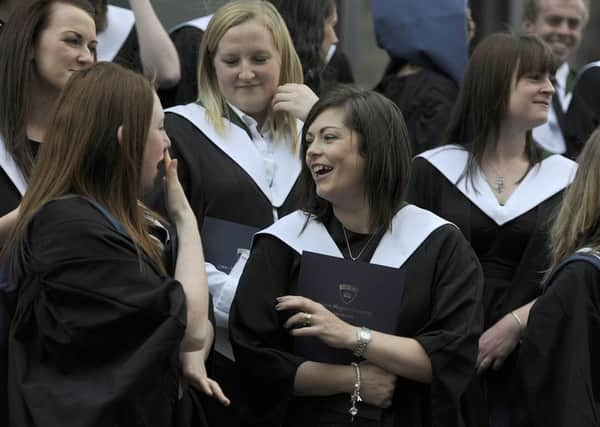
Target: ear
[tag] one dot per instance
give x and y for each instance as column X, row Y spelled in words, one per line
column 120, row 135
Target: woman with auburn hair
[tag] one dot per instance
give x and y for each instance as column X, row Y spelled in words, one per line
column 359, row 309
column 496, row 185
column 238, row 160
column 560, row 351
column 101, row 318
column 43, row 43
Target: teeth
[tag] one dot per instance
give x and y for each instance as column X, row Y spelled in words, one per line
column 319, row 169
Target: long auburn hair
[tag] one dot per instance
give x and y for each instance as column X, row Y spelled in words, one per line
column 483, row 99
column 81, row 154
column 577, row 223
column 230, row 15
column 18, row 71
column 383, row 143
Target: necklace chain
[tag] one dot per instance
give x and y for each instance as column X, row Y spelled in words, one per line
column 354, row 258
column 499, row 180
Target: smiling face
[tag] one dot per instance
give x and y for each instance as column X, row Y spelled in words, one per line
column 154, row 150
column 530, row 100
column 67, row 44
column 247, row 67
column 560, row 23
column 334, row 160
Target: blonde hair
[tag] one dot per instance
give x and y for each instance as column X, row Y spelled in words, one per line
column 231, row 15
column 576, row 224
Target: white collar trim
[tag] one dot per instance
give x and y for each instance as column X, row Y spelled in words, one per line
column 238, row 146
column 7, row 163
column 120, row 22
column 393, row 250
column 544, row 180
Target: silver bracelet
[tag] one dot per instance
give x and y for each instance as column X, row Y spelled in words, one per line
column 355, row 396
column 518, row 319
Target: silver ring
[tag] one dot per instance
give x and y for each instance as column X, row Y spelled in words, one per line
column 307, row 319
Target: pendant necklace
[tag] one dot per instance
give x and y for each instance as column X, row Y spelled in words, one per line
column 498, row 181
column 354, row 258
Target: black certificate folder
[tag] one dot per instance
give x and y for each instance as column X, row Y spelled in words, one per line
column 224, row 241
column 360, row 293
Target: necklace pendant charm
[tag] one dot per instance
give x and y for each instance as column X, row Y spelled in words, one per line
column 499, row 184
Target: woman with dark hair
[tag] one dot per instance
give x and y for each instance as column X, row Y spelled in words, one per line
column 61, row 36
column 330, row 271
column 100, row 322
column 560, row 350
column 495, row 185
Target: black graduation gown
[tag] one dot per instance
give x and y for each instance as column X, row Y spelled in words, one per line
column 426, row 99
column 217, row 186
column 560, row 352
column 510, row 241
column 441, row 309
column 96, row 334
column 10, row 195
column 122, row 46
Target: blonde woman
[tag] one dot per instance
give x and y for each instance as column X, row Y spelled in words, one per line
column 559, row 354
column 238, row 161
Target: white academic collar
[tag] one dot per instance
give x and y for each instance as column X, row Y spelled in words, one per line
column 330, row 53
column 119, row 21
column 561, row 75
column 8, row 164
column 410, row 227
column 238, row 146
column 544, row 180
column 251, row 121
column 199, row 23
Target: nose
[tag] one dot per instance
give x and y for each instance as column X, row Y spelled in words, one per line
column 246, row 71
column 563, row 27
column 87, row 57
column 548, row 87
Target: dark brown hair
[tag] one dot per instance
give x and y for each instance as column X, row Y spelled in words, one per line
column 384, row 144
column 483, row 99
column 94, row 104
column 17, row 72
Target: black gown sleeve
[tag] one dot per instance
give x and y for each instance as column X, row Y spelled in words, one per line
column 262, row 347
column 129, row 54
column 187, row 42
column 96, row 334
column 421, row 186
column 450, row 336
column 559, row 370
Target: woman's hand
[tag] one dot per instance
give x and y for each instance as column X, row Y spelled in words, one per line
column 376, row 385
column 496, row 344
column 293, row 98
column 194, row 370
column 313, row 319
column 177, row 204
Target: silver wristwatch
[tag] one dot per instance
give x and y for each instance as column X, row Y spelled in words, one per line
column 363, row 338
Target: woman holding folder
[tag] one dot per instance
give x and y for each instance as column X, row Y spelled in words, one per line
column 310, row 333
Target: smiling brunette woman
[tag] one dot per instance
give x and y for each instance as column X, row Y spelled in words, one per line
column 495, row 185
column 306, row 321
column 100, row 323
column 43, row 43
column 238, row 159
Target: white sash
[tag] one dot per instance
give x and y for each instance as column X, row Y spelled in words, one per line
column 410, row 227
column 239, row 147
column 120, row 22
column 543, row 181
column 11, row 169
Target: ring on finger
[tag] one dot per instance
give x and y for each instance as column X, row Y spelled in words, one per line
column 307, row 319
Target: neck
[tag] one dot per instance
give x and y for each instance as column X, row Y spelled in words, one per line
column 41, row 108
column 356, row 219
column 510, row 146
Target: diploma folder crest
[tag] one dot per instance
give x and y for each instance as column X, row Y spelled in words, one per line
column 359, row 293
column 223, row 241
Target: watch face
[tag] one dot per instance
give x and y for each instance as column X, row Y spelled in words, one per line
column 364, row 334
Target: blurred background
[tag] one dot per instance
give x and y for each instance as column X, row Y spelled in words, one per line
column 357, row 39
